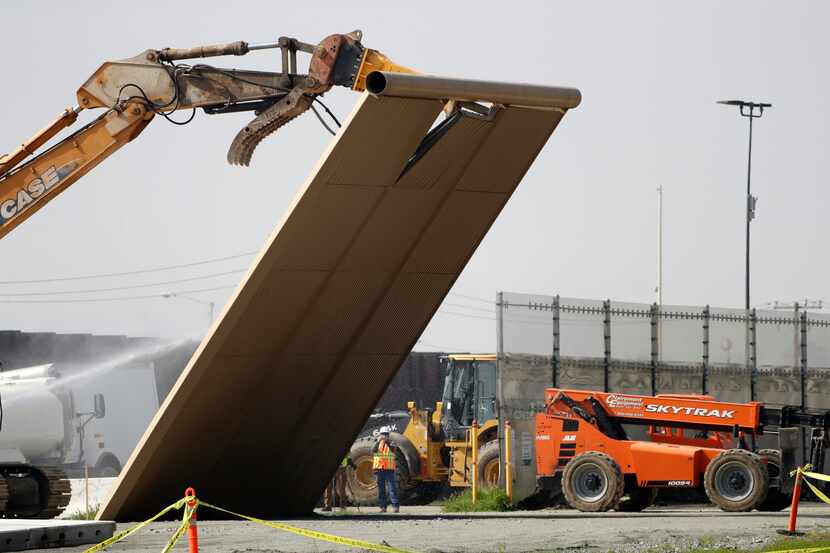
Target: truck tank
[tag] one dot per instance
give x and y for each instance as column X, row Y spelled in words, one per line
column 31, row 427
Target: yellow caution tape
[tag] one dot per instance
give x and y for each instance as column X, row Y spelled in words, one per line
column 802, row 549
column 807, row 474
column 314, row 534
column 190, row 504
column 130, row 531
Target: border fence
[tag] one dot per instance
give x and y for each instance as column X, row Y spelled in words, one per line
column 779, row 358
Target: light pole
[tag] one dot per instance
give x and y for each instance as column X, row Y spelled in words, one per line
column 660, row 245
column 211, row 305
column 660, row 271
column 750, row 110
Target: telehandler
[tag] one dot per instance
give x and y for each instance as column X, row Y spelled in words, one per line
column 435, row 445
column 585, row 448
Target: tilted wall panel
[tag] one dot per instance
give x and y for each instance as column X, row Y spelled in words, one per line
column 330, row 308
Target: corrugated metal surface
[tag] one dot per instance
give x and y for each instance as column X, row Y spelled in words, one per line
column 263, row 413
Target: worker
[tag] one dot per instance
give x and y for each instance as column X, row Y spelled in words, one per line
column 336, row 490
column 384, row 463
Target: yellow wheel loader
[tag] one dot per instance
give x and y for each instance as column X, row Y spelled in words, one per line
column 435, row 445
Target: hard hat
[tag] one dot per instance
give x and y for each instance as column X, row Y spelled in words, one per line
column 384, row 430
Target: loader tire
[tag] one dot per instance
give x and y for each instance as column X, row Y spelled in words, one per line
column 776, row 499
column 361, row 485
column 593, row 482
column 736, row 480
column 637, row 499
column 488, row 464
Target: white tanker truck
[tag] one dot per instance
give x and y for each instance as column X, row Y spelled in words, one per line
column 41, row 434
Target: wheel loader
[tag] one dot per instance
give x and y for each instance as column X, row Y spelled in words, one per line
column 588, row 447
column 434, row 445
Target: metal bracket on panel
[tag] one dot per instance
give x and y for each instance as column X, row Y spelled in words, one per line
column 479, row 111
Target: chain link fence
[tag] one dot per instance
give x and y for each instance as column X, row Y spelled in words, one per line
column 775, row 357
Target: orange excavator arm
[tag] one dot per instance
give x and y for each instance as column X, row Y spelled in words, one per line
column 28, row 188
column 152, row 83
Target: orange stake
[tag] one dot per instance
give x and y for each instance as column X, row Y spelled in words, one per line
column 192, row 528
column 790, row 531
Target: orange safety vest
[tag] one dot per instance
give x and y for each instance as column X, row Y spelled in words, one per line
column 383, row 459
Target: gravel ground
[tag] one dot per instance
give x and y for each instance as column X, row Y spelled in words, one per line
column 426, row 529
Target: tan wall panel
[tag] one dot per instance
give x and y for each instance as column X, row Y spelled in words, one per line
column 262, row 414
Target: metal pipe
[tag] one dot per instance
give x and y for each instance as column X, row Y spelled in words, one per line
column 508, row 460
column 474, row 462
column 263, row 46
column 382, row 83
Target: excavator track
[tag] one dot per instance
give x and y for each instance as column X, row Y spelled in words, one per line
column 269, row 121
column 4, row 495
column 60, row 491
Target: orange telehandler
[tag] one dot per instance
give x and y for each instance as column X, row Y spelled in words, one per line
column 585, row 448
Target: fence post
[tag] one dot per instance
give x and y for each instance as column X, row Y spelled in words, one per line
column 753, row 354
column 704, row 377
column 474, row 459
column 606, row 338
column 555, row 357
column 803, row 367
column 500, row 307
column 508, row 460
column 655, row 346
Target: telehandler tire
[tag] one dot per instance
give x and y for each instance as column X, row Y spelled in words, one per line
column 637, row 499
column 736, row 480
column 593, row 482
column 488, row 464
column 776, row 499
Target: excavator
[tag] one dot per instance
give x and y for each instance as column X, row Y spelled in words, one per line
column 615, row 451
column 131, row 92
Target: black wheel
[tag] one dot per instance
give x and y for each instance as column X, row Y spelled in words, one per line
column 776, row 500
column 637, row 499
column 593, row 482
column 361, row 485
column 736, row 480
column 488, row 464
column 426, row 492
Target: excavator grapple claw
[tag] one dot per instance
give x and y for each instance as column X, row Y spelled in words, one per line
column 269, row 121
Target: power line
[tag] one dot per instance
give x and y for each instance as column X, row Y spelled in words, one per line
column 491, row 311
column 126, row 287
column 436, row 346
column 122, row 298
column 128, row 273
column 474, row 298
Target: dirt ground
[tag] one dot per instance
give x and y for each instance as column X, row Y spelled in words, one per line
column 426, row 529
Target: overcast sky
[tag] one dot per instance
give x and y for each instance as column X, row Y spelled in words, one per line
column 582, row 223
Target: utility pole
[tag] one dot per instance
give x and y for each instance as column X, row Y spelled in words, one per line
column 750, row 110
column 211, row 305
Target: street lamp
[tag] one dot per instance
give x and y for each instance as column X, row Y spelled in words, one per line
column 211, row 305
column 750, row 110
